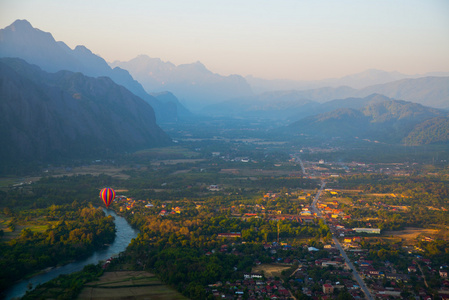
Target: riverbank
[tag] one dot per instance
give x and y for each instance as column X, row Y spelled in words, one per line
column 124, row 234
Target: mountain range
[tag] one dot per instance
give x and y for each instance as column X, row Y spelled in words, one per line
column 200, row 89
column 430, row 91
column 50, row 116
column 356, row 81
column 278, row 105
column 193, row 83
column 214, row 94
column 293, row 105
column 37, row 47
column 61, row 103
column 378, row 118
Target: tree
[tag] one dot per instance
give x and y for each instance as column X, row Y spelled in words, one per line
column 344, row 295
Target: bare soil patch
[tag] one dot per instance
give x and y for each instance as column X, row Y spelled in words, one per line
column 411, row 233
column 270, row 270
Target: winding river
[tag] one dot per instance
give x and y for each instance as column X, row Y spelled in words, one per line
column 125, row 233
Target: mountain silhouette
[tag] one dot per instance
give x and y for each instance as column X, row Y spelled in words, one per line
column 37, row 47
column 62, row 115
column 193, row 83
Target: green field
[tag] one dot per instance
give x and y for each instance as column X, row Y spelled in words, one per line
column 7, row 182
column 167, row 153
column 128, row 285
column 8, row 234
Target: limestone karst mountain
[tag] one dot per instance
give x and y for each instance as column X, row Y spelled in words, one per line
column 22, row 40
column 192, row 83
column 51, row 116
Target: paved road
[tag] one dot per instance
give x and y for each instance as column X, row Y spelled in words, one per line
column 340, row 248
column 354, row 271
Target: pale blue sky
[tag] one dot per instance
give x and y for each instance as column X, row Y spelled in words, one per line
column 292, row 39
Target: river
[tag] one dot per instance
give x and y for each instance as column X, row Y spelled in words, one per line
column 125, row 233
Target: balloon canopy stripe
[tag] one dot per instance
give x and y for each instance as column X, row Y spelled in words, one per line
column 107, row 195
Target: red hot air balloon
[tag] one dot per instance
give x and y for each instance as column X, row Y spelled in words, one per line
column 107, row 195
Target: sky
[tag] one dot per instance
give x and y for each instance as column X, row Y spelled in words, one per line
column 288, row 39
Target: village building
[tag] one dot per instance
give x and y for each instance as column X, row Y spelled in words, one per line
column 230, row 235
column 367, row 230
column 328, row 288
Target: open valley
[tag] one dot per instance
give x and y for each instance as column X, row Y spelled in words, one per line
column 212, row 150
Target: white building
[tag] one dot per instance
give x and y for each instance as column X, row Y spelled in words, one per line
column 367, row 230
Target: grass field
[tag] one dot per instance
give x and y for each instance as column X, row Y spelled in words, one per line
column 7, row 181
column 95, row 170
column 8, row 234
column 270, row 270
column 4, row 222
column 167, row 153
column 176, row 161
column 128, row 285
column 38, row 228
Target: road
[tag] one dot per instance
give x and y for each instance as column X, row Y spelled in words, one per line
column 354, row 271
column 302, row 165
column 315, row 200
column 340, row 248
column 423, row 276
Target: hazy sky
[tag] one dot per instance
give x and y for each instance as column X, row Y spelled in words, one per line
column 294, row 39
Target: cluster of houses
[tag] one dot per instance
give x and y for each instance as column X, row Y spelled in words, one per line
column 127, row 203
column 389, row 273
column 255, row 287
column 397, row 281
column 167, row 211
column 259, row 210
column 330, row 210
column 302, row 280
column 323, row 168
column 342, row 231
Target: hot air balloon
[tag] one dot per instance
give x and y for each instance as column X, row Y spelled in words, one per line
column 107, row 195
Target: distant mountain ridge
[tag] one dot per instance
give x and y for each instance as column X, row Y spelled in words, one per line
column 428, row 91
column 193, row 83
column 51, row 116
column 379, row 118
column 355, row 81
column 295, row 104
column 200, row 88
column 279, row 105
column 432, row 131
column 21, row 40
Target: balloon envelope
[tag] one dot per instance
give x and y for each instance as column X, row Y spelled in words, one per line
column 107, row 195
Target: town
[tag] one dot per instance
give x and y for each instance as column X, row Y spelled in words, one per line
column 390, row 263
column 254, row 222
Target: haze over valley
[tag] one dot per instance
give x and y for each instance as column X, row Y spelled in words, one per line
column 286, row 150
column 203, row 93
